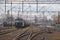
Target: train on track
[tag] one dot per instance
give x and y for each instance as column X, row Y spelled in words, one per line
column 20, row 23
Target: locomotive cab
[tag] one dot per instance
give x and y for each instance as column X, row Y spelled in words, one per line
column 19, row 23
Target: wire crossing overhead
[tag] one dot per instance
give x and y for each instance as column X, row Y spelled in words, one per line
column 32, row 1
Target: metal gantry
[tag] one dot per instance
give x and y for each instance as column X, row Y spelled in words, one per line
column 28, row 6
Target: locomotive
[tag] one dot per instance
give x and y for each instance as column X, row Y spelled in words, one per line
column 20, row 23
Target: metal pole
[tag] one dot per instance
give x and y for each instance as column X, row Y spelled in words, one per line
column 58, row 18
column 43, row 16
column 22, row 7
column 37, row 5
column 5, row 8
column 11, row 13
column 18, row 14
column 30, row 11
column 19, row 11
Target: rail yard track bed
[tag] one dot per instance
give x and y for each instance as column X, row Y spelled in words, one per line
column 37, row 33
column 32, row 33
column 6, row 30
column 12, row 35
column 47, row 36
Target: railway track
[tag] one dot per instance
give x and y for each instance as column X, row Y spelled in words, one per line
column 13, row 35
column 26, row 35
column 41, row 32
column 21, row 35
column 29, row 35
column 36, row 34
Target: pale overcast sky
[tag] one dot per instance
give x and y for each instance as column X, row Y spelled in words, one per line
column 41, row 7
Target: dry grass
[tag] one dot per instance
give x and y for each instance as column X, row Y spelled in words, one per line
column 7, row 30
column 56, row 35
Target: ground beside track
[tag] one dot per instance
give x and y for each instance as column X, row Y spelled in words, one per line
column 41, row 32
column 12, row 35
column 55, row 35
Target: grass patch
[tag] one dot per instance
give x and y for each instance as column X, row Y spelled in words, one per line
column 7, row 30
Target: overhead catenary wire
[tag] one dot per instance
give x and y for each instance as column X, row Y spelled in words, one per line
column 22, row 6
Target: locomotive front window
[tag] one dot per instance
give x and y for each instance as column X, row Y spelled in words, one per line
column 16, row 21
column 19, row 21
